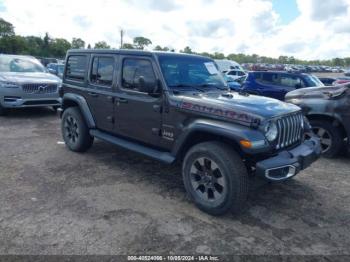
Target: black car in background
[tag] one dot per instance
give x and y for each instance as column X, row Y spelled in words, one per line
column 328, row 110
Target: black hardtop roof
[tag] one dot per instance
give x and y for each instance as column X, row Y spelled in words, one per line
column 129, row 52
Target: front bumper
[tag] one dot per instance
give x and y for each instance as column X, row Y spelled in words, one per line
column 289, row 163
column 19, row 102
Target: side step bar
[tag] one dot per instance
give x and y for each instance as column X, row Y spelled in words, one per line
column 152, row 153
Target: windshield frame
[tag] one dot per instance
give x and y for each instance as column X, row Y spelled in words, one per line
column 6, row 60
column 221, row 85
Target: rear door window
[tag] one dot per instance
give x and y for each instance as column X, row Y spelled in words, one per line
column 268, row 78
column 291, row 81
column 102, row 70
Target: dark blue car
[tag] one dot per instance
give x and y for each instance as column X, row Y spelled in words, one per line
column 278, row 84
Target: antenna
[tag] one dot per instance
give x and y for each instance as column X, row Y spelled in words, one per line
column 121, row 38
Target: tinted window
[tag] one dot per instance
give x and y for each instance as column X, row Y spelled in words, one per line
column 102, row 71
column 134, row 70
column 76, row 65
column 268, row 78
column 291, row 81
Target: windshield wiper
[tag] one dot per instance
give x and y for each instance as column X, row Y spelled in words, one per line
column 212, row 85
column 188, row 86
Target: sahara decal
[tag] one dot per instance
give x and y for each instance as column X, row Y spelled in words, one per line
column 221, row 112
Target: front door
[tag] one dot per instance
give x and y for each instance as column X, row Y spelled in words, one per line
column 101, row 90
column 137, row 113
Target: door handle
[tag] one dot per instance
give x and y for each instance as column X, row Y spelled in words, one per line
column 93, row 94
column 122, row 100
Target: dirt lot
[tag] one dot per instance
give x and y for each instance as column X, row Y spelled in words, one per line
column 109, row 201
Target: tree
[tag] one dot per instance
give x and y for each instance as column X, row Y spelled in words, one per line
column 187, row 50
column 59, row 47
column 78, row 43
column 6, row 28
column 101, row 45
column 89, row 46
column 141, row 42
column 159, row 48
column 13, row 45
column 128, row 46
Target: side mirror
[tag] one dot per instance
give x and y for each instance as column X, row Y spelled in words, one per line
column 149, row 88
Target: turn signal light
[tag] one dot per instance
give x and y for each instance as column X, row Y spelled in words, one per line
column 246, row 143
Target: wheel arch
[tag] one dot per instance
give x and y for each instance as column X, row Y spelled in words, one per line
column 203, row 135
column 75, row 100
column 331, row 119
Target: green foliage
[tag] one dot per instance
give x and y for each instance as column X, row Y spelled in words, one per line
column 13, row 45
column 141, row 42
column 102, row 45
column 159, row 48
column 58, row 47
column 6, row 28
column 78, row 43
column 128, row 46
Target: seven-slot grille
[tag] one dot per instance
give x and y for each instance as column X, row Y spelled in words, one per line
column 39, row 88
column 290, row 130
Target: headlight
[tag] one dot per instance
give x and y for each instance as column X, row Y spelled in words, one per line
column 4, row 84
column 271, row 131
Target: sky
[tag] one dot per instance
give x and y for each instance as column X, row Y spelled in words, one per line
column 305, row 29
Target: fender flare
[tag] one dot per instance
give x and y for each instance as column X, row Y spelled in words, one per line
column 234, row 132
column 83, row 106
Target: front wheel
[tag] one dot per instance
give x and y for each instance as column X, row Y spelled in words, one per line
column 330, row 136
column 215, row 178
column 75, row 132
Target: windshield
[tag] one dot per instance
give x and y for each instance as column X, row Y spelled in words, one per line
column 191, row 72
column 20, row 65
column 313, row 81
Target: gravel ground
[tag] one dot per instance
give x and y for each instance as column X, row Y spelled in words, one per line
column 110, row 201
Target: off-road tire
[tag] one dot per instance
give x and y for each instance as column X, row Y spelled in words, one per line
column 75, row 132
column 233, row 171
column 2, row 111
column 336, row 137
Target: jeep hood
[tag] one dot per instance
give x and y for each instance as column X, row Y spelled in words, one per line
column 318, row 92
column 237, row 107
column 21, row 78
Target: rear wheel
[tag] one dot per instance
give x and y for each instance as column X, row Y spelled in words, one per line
column 330, row 135
column 215, row 178
column 2, row 110
column 75, row 132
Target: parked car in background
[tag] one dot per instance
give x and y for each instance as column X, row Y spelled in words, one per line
column 327, row 109
column 342, row 80
column 226, row 65
column 235, row 73
column 277, row 84
column 56, row 69
column 347, row 72
column 327, row 81
column 234, row 84
column 25, row 82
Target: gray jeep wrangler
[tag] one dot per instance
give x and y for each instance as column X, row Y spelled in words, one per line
column 172, row 107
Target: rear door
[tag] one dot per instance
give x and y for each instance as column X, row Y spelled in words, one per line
column 101, row 90
column 269, row 84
